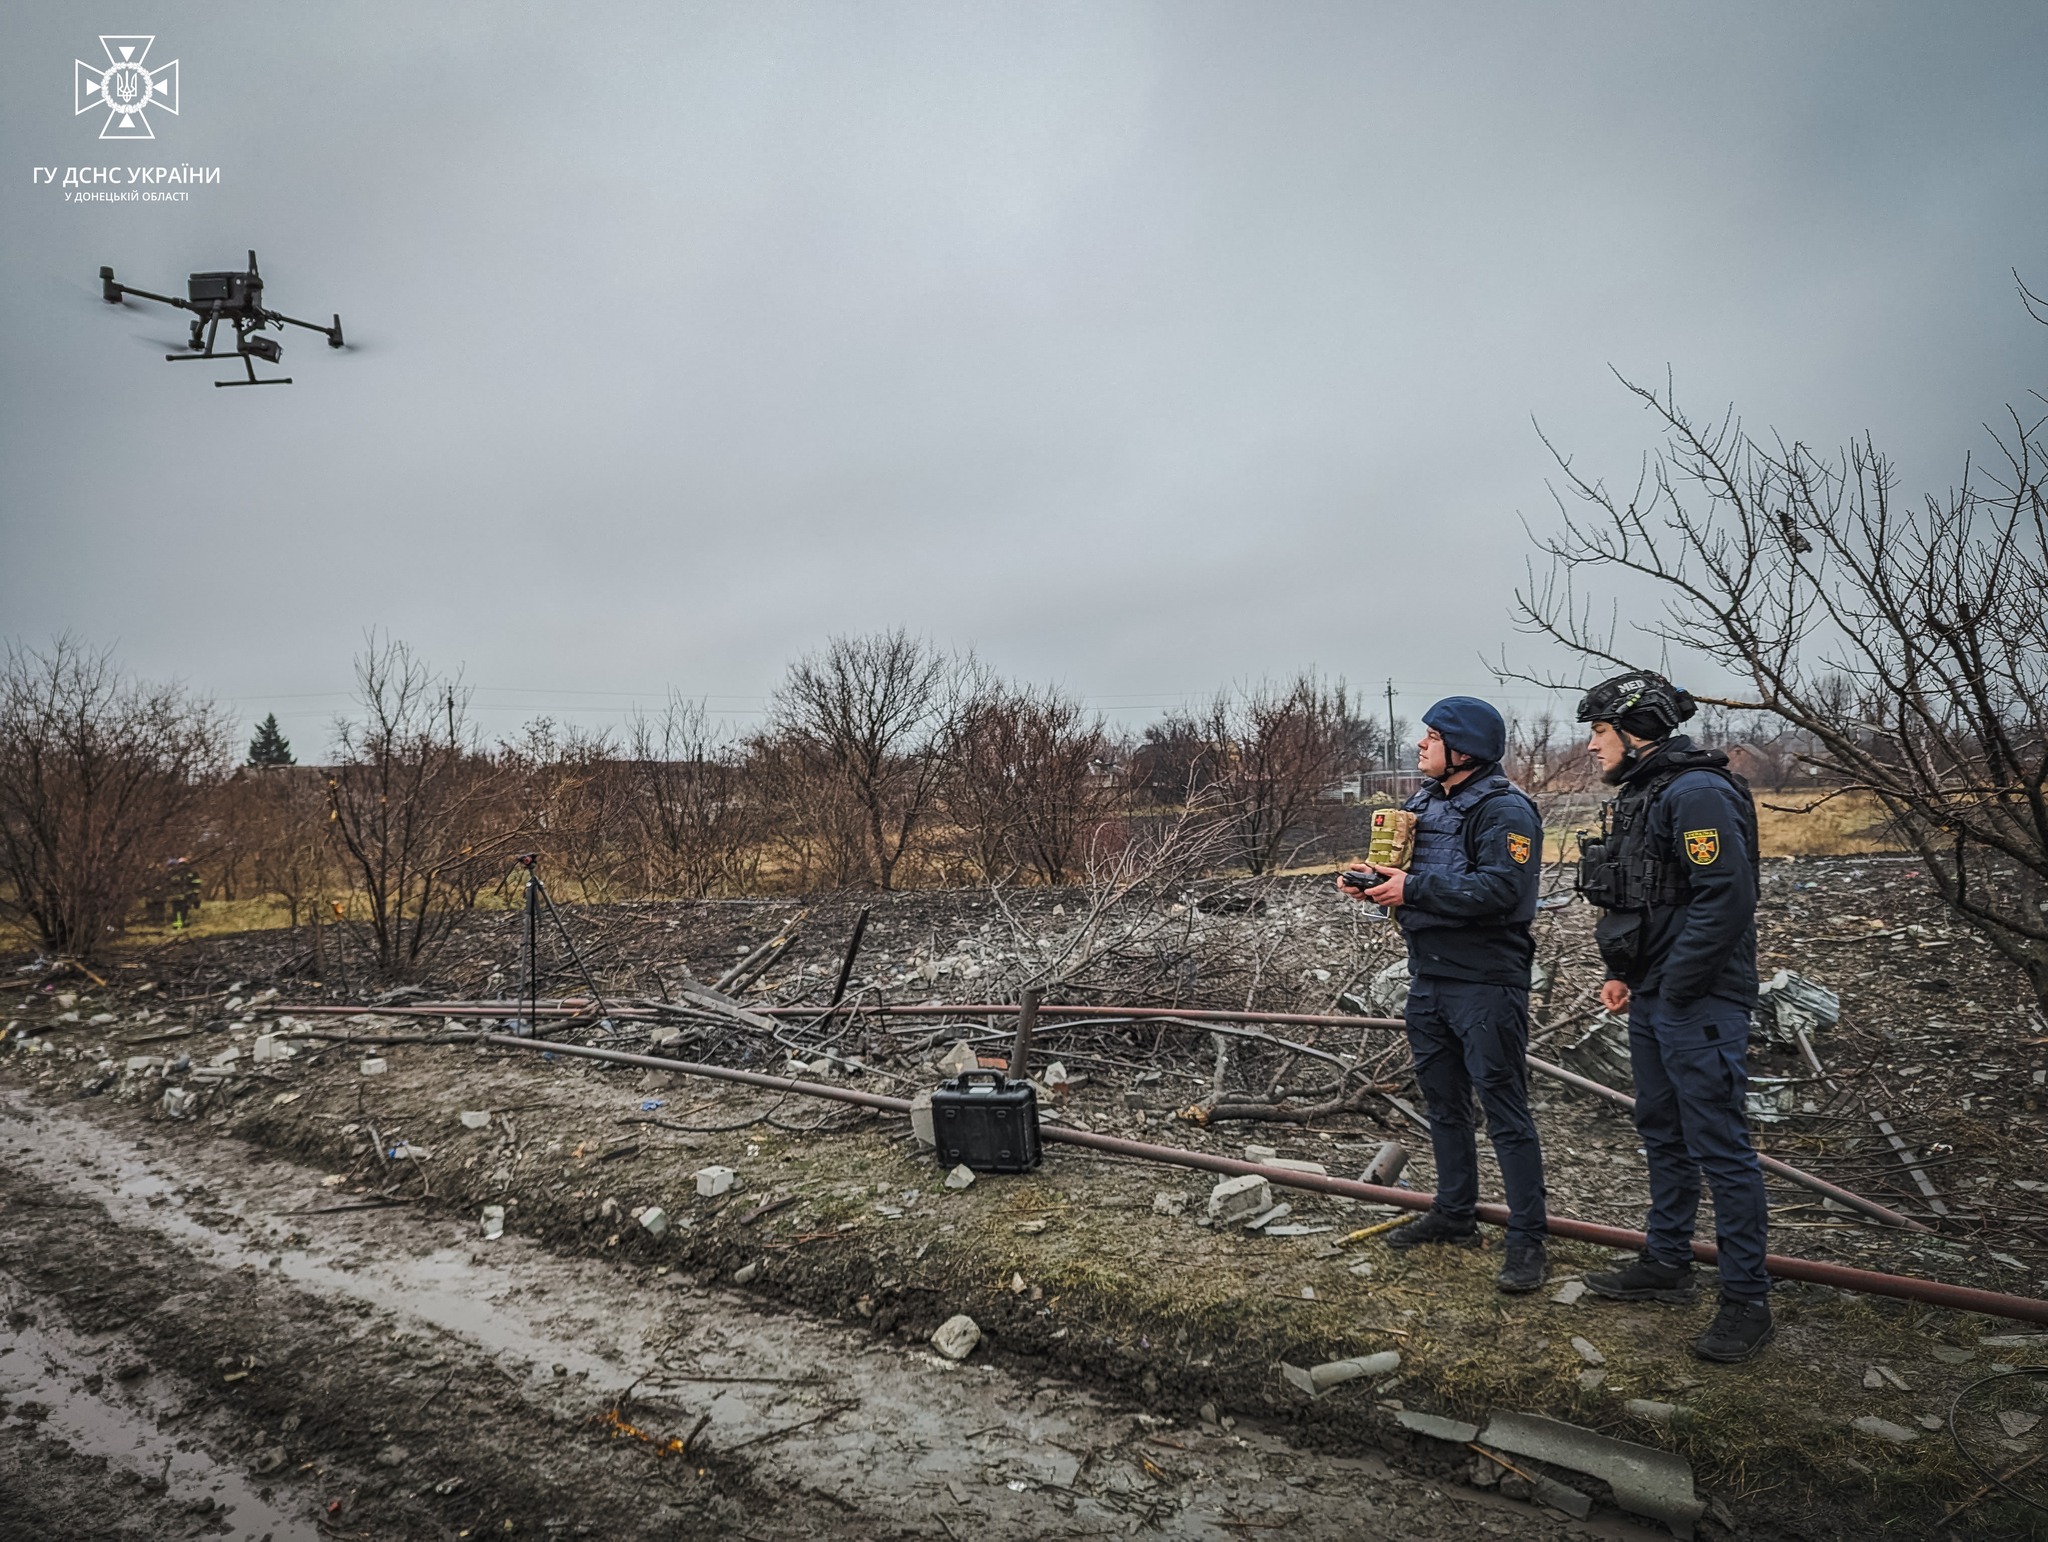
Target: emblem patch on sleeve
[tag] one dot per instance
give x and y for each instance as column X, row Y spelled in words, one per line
column 1518, row 848
column 1703, row 846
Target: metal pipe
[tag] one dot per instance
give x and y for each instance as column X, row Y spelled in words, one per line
column 1961, row 1298
column 1771, row 1164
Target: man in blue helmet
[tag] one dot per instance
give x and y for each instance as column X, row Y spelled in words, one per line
column 1674, row 870
column 1465, row 902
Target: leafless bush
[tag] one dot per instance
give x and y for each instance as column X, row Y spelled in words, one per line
column 571, row 798
column 99, row 775
column 695, row 820
column 1908, row 646
column 1278, row 750
column 284, row 811
column 861, row 732
column 415, row 806
column 1032, row 781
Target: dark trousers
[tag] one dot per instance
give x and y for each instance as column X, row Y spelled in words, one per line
column 1468, row 1037
column 1691, row 1070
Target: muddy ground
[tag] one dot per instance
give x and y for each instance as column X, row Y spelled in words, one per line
column 254, row 1320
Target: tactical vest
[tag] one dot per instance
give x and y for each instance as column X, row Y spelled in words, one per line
column 1624, row 867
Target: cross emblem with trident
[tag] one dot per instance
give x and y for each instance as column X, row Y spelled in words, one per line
column 127, row 87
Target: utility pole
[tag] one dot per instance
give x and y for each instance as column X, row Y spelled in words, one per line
column 1393, row 758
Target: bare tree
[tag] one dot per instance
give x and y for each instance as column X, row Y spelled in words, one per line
column 1032, row 779
column 1278, row 751
column 411, row 803
column 873, row 718
column 696, row 830
column 569, row 794
column 99, row 776
column 1908, row 646
column 284, row 810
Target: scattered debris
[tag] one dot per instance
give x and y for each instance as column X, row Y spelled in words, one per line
column 921, row 1120
column 961, row 1177
column 2016, row 1423
column 714, row 1181
column 1587, row 1352
column 1792, row 1004
column 493, row 1222
column 959, row 1060
column 180, row 1102
column 655, row 1219
column 1170, row 1202
column 375, row 1066
column 475, row 1119
column 1569, row 1292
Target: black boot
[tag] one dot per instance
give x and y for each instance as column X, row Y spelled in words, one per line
column 1524, row 1271
column 1645, row 1280
column 1432, row 1228
column 1739, row 1330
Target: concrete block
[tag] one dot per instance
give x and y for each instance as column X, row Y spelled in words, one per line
column 272, row 1047
column 493, row 1222
column 655, row 1219
column 180, row 1103
column 921, row 1120
column 714, row 1181
column 961, row 1177
column 375, row 1066
column 1240, row 1198
column 475, row 1119
column 958, row 1060
column 956, row 1337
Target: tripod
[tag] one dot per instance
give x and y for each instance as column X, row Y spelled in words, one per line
column 536, row 896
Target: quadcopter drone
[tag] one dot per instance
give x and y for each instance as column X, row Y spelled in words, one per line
column 232, row 297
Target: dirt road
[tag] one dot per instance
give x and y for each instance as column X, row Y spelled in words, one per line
column 203, row 1341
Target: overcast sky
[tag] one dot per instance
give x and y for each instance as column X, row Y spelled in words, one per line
column 1142, row 348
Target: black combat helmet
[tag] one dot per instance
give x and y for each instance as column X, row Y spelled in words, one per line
column 1640, row 702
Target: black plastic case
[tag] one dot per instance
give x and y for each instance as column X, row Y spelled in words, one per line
column 987, row 1122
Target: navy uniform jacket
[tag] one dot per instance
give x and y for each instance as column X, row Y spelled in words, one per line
column 1471, row 890
column 1704, row 827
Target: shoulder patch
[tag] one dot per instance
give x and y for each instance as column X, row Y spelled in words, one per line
column 1703, row 846
column 1518, row 847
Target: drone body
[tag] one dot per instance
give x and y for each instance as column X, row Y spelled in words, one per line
column 236, row 298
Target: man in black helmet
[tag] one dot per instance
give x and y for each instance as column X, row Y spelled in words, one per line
column 1465, row 902
column 1675, row 872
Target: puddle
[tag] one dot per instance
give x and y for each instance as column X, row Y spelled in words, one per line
column 47, row 1366
column 890, row 1430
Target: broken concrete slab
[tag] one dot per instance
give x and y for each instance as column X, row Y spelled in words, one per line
column 921, row 1128
column 956, row 1337
column 2016, row 1423
column 1646, row 1481
column 492, row 1222
column 1884, row 1429
column 375, row 1066
column 1289, row 1164
column 1568, row 1293
column 714, row 1181
column 961, row 1177
column 1260, row 1153
column 272, row 1047
column 1436, row 1427
column 959, row 1060
column 475, row 1119
column 1315, row 1380
column 1240, row 1198
column 1267, row 1217
column 1587, row 1352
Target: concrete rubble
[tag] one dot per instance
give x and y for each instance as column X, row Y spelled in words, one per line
column 956, row 1337
column 1240, row 1198
column 1884, row 1429
column 714, row 1181
column 961, row 1177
